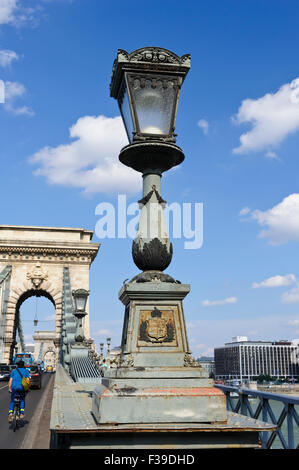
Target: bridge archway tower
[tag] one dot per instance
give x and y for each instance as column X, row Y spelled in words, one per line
column 35, row 258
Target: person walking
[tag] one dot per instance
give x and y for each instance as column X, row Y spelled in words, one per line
column 15, row 386
column 104, row 366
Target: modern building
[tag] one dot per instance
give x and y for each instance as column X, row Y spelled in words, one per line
column 208, row 364
column 243, row 359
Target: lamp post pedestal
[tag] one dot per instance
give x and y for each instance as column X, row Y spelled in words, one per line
column 157, row 380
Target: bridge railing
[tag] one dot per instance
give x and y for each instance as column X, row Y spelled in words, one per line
column 239, row 401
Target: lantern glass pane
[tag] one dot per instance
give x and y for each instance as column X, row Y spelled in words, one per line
column 154, row 103
column 80, row 303
column 126, row 114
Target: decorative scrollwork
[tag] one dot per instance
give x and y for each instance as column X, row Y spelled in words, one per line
column 46, row 251
column 154, row 255
column 37, row 275
column 148, row 196
column 155, row 55
column 154, row 276
column 157, row 327
column 127, row 361
column 189, row 361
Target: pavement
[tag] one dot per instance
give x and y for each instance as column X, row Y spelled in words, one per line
column 38, row 434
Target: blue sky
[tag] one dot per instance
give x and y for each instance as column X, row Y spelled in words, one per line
column 238, row 125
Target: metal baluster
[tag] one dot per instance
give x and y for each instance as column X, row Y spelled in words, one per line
column 278, row 432
column 264, row 434
column 290, row 426
column 243, row 404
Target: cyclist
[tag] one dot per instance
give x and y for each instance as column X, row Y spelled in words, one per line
column 15, row 386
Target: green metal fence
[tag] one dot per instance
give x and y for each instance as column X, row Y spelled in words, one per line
column 268, row 407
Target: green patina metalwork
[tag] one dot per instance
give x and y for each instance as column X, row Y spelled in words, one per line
column 74, row 357
column 4, row 293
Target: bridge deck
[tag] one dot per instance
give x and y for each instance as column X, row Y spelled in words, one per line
column 71, row 416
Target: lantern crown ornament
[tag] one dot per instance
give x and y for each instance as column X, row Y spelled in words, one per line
column 146, row 84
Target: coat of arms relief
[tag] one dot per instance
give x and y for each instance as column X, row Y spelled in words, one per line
column 156, row 327
column 37, row 275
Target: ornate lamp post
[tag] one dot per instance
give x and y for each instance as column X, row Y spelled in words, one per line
column 35, row 321
column 108, row 345
column 101, row 349
column 80, row 299
column 155, row 360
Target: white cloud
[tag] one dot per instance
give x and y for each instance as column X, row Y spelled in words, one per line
column 291, row 297
column 6, row 57
column 20, row 111
column 14, row 91
column 18, row 13
column 28, row 338
column 212, row 303
column 7, row 11
column 272, row 155
column 199, row 350
column 273, row 117
column 204, row 125
column 51, row 317
column 215, row 332
column 275, row 281
column 102, row 332
column 198, row 346
column 281, row 222
column 244, row 211
column 91, row 161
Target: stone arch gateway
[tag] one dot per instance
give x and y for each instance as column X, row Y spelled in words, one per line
column 32, row 262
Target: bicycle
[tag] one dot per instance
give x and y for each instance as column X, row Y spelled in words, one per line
column 16, row 412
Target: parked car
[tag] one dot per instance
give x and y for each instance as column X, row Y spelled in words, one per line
column 4, row 372
column 35, row 376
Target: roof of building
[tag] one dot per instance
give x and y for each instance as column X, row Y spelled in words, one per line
column 205, row 359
